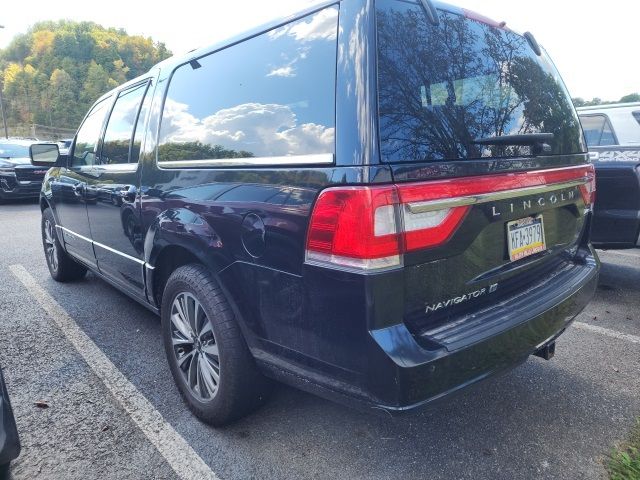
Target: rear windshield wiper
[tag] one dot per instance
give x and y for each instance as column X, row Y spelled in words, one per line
column 539, row 142
column 431, row 12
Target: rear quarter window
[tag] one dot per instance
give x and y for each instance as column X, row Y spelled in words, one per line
column 597, row 130
column 443, row 87
column 270, row 96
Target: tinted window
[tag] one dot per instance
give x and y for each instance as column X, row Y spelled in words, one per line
column 597, row 130
column 442, row 88
column 117, row 137
column 272, row 95
column 636, row 115
column 84, row 153
column 139, row 131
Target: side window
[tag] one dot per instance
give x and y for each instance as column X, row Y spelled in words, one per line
column 84, row 152
column 270, row 96
column 138, row 134
column 597, row 130
column 636, row 115
column 119, row 133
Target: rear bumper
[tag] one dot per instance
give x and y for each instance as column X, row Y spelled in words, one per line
column 394, row 370
column 9, row 442
column 498, row 343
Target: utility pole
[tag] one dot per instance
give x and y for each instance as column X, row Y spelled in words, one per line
column 4, row 119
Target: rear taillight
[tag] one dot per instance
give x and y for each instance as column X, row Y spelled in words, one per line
column 369, row 228
column 355, row 227
column 588, row 190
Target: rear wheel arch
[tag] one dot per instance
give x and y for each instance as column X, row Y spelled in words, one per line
column 167, row 260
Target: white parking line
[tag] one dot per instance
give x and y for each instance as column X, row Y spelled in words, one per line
column 172, row 446
column 607, row 332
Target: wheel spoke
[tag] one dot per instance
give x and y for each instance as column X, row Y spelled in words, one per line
column 178, row 340
column 184, row 358
column 192, row 374
column 192, row 307
column 209, row 376
column 211, row 349
column 178, row 305
column 206, row 329
column 182, row 327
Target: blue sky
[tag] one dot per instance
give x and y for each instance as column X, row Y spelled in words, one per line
column 593, row 44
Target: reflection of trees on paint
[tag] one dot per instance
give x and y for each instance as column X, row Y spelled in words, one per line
column 115, row 151
column 197, row 151
column 443, row 87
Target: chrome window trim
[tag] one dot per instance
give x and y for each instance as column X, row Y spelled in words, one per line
column 312, row 159
column 116, row 167
column 98, row 244
column 434, row 205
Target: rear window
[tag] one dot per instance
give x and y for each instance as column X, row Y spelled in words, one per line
column 443, row 87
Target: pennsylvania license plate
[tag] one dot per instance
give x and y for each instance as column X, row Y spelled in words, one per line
column 526, row 237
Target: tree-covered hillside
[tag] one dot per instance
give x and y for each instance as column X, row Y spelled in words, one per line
column 53, row 73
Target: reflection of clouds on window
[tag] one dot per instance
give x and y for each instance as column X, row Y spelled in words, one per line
column 269, row 96
column 262, row 129
column 282, row 72
column 320, row 26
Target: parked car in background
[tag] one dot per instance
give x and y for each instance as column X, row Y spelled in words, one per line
column 18, row 178
column 612, row 133
column 9, row 441
column 381, row 203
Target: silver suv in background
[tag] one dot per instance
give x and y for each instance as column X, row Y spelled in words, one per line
column 612, row 133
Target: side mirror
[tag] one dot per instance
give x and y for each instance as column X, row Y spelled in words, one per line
column 44, row 154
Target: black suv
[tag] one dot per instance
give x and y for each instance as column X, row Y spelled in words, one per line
column 379, row 201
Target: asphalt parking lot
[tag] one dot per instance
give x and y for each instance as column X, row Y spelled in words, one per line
column 95, row 360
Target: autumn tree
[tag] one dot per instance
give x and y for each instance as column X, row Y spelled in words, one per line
column 54, row 72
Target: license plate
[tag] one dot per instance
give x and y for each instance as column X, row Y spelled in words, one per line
column 526, row 237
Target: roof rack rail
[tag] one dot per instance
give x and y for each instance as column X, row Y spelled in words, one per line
column 533, row 43
column 431, row 12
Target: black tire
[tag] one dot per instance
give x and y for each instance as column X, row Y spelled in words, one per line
column 61, row 266
column 241, row 388
column 4, row 472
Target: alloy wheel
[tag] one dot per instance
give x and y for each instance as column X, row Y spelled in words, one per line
column 50, row 248
column 195, row 347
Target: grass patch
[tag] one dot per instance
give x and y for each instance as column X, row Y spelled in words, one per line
column 624, row 463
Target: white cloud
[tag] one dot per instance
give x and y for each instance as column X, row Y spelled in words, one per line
column 287, row 71
column 263, row 129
